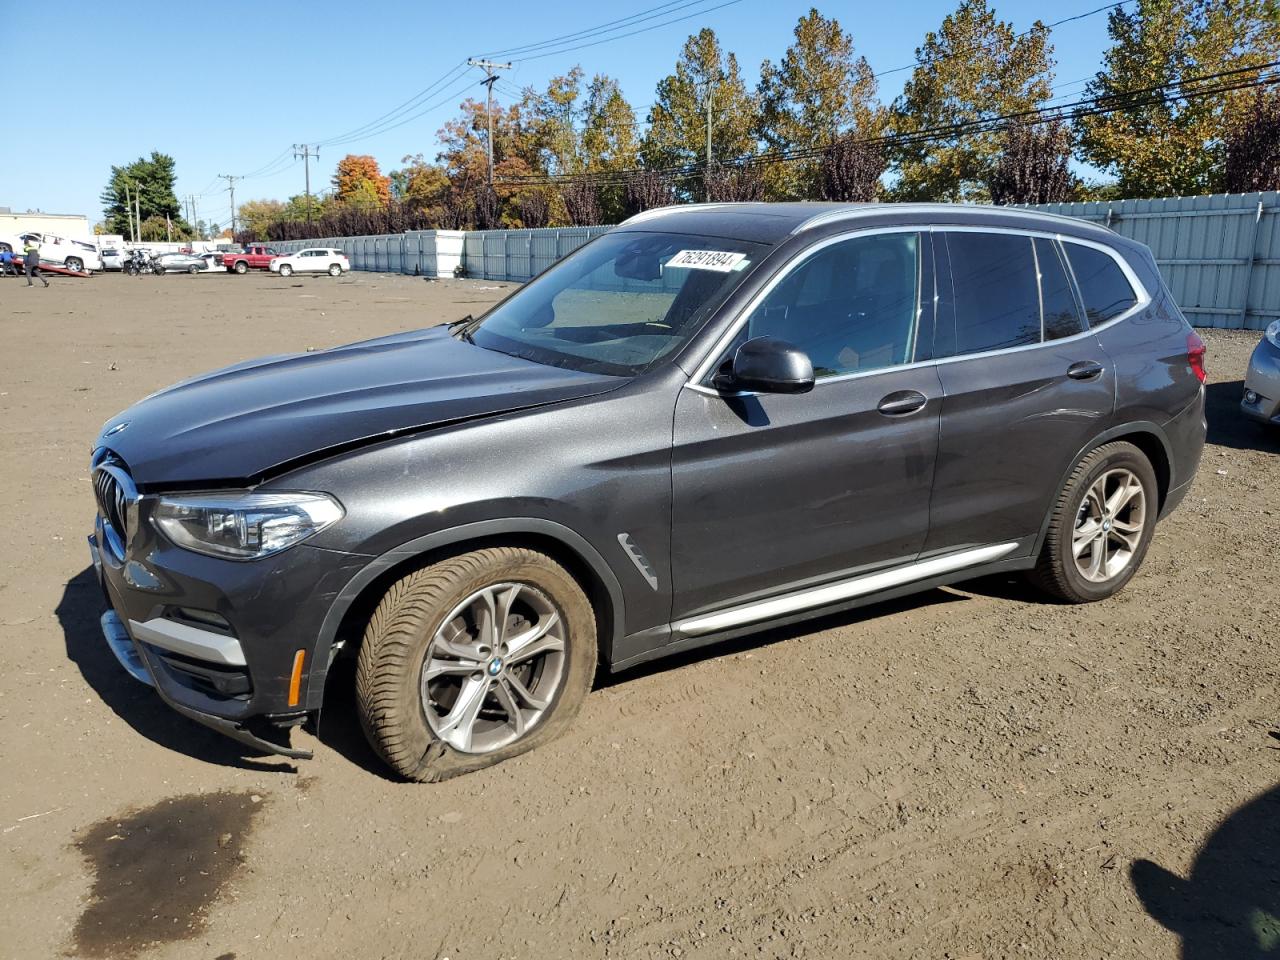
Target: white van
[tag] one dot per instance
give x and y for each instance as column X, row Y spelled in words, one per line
column 59, row 251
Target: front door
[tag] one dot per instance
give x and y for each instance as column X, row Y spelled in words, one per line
column 777, row 492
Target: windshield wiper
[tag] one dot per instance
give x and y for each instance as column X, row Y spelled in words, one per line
column 462, row 328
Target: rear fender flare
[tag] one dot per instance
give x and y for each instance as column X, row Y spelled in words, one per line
column 1124, row 429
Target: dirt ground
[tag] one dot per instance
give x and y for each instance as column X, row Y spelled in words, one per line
column 970, row 773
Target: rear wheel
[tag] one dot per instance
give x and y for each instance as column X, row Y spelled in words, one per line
column 286, row 270
column 241, row 267
column 474, row 660
column 1101, row 525
column 335, row 270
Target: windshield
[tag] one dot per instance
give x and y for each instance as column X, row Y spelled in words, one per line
column 619, row 304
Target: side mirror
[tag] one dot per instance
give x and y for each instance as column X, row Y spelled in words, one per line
column 768, row 365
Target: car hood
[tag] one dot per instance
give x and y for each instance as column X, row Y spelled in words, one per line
column 250, row 420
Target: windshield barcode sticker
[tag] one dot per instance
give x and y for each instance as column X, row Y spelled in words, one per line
column 721, row 261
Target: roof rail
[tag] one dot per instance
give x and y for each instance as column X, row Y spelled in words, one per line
column 862, row 210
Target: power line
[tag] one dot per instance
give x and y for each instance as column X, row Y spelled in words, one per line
column 366, row 128
column 1090, row 106
column 610, row 26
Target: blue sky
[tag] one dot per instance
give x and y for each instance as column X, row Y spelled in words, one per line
column 229, row 88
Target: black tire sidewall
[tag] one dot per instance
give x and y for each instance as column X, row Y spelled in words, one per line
column 434, row 759
column 1112, row 457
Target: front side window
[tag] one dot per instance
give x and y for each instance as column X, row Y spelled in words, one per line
column 618, row 304
column 1104, row 288
column 851, row 306
column 997, row 299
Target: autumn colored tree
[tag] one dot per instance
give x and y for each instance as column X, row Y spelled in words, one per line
column 1034, row 164
column 1253, row 147
column 358, row 180
column 973, row 68
column 850, row 170
column 1157, row 144
column 705, row 75
column 818, row 93
column 257, row 215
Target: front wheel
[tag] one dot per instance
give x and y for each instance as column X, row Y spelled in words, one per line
column 74, row 263
column 335, row 270
column 286, row 270
column 1101, row 526
column 474, row 660
column 242, row 267
column 193, row 269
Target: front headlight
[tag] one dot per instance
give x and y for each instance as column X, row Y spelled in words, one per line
column 1273, row 333
column 243, row 526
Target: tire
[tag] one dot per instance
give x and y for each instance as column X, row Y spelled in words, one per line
column 131, row 270
column 1078, row 511
column 335, row 270
column 193, row 270
column 241, row 267
column 74, row 263
column 158, row 270
column 286, row 270
column 429, row 612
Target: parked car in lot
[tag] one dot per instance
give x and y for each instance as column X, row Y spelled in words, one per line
column 112, row 258
column 58, row 251
column 178, row 263
column 211, row 261
column 711, row 420
column 313, row 260
column 1261, row 400
column 254, row 257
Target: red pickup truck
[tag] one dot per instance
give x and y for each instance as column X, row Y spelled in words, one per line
column 254, row 257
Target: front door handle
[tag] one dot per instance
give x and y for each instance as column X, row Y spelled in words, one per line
column 902, row 402
column 1085, row 370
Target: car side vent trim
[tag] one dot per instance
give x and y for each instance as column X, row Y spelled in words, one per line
column 639, row 559
column 844, row 590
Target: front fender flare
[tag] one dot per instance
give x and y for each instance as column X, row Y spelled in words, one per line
column 421, row 546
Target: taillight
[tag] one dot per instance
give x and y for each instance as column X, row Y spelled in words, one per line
column 1195, row 355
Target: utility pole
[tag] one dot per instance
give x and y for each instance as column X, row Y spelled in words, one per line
column 128, row 211
column 306, row 153
column 489, row 80
column 231, row 185
column 710, row 88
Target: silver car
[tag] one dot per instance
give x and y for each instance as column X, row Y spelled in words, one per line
column 179, row 263
column 1262, row 382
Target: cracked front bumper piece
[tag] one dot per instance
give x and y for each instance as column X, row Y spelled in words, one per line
column 168, row 655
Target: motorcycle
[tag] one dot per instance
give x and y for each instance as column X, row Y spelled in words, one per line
column 140, row 262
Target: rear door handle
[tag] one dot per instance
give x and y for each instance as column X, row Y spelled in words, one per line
column 902, row 402
column 1085, row 370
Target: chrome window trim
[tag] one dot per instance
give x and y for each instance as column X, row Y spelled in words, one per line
column 704, row 367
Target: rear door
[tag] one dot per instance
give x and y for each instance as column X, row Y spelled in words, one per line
column 1025, row 386
column 774, row 492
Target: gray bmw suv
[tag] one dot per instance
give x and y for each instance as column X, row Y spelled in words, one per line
column 711, row 420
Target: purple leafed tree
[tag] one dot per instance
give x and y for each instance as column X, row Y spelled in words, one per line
column 850, row 171
column 727, row 184
column 648, row 189
column 1253, row 147
column 1033, row 166
column 581, row 201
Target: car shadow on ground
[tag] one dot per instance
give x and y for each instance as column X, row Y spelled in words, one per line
column 339, row 726
column 1228, row 907
column 136, row 704
column 1228, row 427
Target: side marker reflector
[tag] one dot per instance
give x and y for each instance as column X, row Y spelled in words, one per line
column 295, row 680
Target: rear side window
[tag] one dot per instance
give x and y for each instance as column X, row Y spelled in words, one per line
column 1061, row 315
column 1104, row 288
column 997, row 302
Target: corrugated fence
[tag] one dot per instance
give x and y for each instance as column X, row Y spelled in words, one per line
column 1220, row 254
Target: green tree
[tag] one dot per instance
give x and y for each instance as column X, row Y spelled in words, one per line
column 151, row 180
column 817, row 94
column 1160, row 146
column 257, row 215
column 677, row 134
column 974, row 67
column 609, row 139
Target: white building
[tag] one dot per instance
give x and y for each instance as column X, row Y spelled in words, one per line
column 70, row 225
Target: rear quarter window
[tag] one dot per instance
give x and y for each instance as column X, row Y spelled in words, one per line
column 1104, row 289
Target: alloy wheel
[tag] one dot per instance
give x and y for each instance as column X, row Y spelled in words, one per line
column 1109, row 525
column 493, row 668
